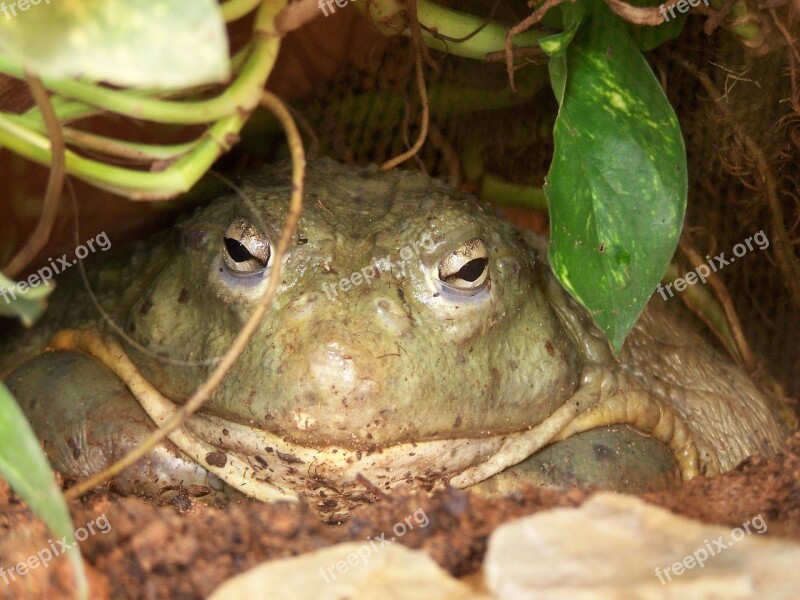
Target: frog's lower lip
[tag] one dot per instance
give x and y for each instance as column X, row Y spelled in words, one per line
column 461, row 462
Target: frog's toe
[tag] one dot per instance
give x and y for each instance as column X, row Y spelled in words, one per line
column 87, row 419
column 617, row 458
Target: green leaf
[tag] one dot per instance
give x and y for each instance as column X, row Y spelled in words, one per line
column 617, row 183
column 571, row 16
column 134, row 43
column 27, row 306
column 26, row 469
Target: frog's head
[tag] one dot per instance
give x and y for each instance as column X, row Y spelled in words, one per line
column 406, row 312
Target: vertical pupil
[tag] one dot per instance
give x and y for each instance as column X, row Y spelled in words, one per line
column 473, row 269
column 236, row 250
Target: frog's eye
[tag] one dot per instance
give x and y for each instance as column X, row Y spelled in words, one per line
column 466, row 271
column 246, row 251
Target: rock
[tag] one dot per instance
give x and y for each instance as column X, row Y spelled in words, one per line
column 615, row 547
column 351, row 571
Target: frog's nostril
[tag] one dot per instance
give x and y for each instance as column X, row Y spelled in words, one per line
column 392, row 316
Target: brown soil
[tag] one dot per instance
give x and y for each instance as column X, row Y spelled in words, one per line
column 186, row 549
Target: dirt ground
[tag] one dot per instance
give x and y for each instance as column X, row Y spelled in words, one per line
column 185, row 550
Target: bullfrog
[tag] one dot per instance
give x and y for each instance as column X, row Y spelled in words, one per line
column 416, row 339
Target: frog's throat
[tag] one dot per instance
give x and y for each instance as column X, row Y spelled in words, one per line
column 267, row 467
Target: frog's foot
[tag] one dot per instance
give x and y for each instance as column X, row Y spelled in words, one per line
column 87, row 419
column 599, row 402
column 230, row 468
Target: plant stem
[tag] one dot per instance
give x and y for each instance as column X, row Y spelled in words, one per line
column 505, row 193
column 458, row 25
column 236, row 9
column 242, row 95
column 111, row 146
column 239, row 99
column 137, row 185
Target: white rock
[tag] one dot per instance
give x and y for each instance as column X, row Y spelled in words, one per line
column 390, row 573
column 610, row 548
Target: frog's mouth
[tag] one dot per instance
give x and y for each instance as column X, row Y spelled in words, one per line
column 267, row 467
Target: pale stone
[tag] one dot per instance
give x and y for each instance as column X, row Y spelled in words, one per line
column 392, row 572
column 611, row 546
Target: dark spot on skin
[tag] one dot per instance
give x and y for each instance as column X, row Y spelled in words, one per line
column 512, row 364
column 146, row 306
column 261, row 461
column 269, row 449
column 549, row 347
column 289, row 458
column 217, row 458
column 401, row 294
column 457, row 423
column 183, row 297
column 601, row 453
column 225, row 432
column 76, row 449
column 358, row 454
column 193, row 238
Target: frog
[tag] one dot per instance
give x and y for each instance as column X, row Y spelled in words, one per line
column 416, row 340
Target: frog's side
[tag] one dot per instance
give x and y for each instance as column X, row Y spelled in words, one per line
column 400, row 379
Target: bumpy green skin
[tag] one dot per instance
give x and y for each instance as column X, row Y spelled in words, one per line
column 388, row 361
column 395, row 359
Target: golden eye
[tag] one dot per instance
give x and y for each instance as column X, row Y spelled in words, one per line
column 466, row 270
column 245, row 250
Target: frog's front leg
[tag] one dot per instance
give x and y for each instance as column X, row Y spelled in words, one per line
column 233, row 467
column 605, row 398
column 87, row 419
